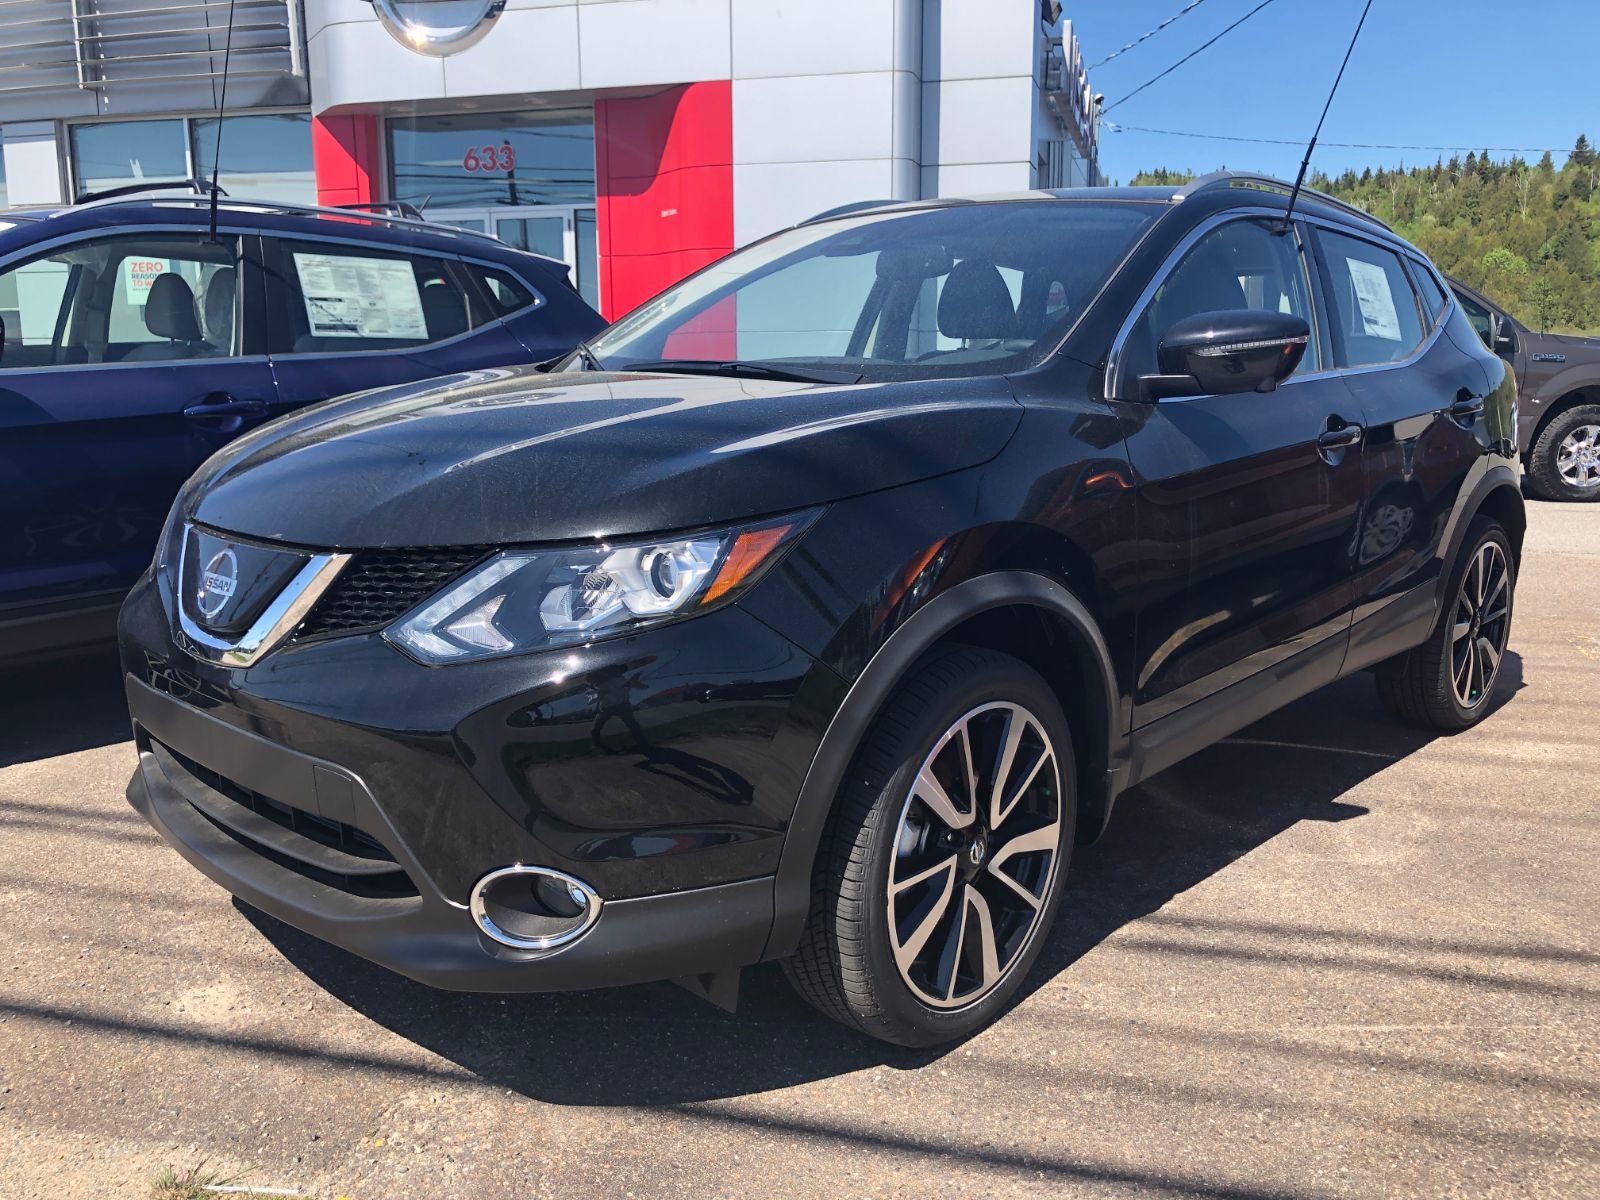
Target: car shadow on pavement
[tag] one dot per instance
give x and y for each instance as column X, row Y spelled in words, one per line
column 57, row 706
column 657, row 1044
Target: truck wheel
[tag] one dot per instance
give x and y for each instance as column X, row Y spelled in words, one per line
column 1445, row 683
column 941, row 869
column 1564, row 463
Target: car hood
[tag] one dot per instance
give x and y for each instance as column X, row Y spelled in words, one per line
column 512, row 455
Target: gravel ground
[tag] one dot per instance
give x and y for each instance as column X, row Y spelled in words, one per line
column 1330, row 957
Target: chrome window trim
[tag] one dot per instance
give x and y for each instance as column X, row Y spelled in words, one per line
column 1114, row 383
column 277, row 622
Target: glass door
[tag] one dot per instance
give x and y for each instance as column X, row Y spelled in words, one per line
column 564, row 234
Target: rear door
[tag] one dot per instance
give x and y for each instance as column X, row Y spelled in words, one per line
column 349, row 315
column 1420, row 397
column 1247, row 504
column 127, row 362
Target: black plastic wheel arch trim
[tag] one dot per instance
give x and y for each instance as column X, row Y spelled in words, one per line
column 872, row 688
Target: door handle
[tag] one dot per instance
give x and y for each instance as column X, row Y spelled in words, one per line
column 220, row 404
column 1467, row 407
column 1332, row 443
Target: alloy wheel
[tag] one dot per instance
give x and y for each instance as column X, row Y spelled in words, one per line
column 1578, row 457
column 975, row 855
column 1481, row 624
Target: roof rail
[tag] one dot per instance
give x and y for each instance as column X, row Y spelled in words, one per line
column 342, row 212
column 1268, row 183
column 393, row 208
column 175, row 187
column 854, row 206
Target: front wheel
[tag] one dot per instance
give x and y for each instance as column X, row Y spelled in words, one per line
column 1446, row 682
column 1564, row 461
column 942, row 866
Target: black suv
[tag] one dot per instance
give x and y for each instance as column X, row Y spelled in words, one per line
column 813, row 611
column 1558, row 397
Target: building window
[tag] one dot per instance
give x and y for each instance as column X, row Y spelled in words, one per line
column 476, row 159
column 265, row 156
column 119, row 153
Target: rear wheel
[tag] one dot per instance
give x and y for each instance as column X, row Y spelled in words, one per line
column 1446, row 682
column 1564, row 462
column 942, row 866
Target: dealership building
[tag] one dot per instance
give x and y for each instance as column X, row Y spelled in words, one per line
column 635, row 139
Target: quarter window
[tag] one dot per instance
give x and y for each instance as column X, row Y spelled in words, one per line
column 347, row 299
column 1478, row 317
column 1433, row 297
column 1241, row 264
column 1375, row 318
column 507, row 294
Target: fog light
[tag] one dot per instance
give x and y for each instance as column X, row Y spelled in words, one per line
column 534, row 908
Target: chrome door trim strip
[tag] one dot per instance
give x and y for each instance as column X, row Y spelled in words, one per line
column 277, row 622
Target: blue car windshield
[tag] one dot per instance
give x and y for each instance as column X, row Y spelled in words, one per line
column 968, row 289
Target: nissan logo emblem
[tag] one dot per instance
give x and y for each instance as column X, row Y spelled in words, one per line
column 218, row 582
column 438, row 28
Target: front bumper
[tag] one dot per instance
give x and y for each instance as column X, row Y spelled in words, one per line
column 357, row 796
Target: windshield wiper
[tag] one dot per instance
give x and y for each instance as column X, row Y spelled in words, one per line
column 585, row 355
column 753, row 370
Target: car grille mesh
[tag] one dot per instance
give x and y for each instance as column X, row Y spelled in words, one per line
column 380, row 586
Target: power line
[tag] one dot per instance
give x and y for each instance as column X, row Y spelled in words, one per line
column 1190, row 7
column 1117, row 127
column 1186, row 57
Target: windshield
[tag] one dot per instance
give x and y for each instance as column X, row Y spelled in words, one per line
column 972, row 289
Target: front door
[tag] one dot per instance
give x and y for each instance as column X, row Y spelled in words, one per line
column 1247, row 504
column 123, row 369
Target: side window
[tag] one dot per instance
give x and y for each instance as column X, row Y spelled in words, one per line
column 1478, row 317
column 1433, row 298
column 122, row 299
column 347, row 299
column 1241, row 264
column 1374, row 311
column 507, row 294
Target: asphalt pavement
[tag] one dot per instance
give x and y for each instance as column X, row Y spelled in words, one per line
column 1330, row 957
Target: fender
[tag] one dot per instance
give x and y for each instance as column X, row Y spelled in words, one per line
column 1551, row 396
column 924, row 628
column 1499, row 475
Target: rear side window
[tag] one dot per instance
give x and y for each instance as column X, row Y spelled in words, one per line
column 1433, row 297
column 347, row 299
column 1375, row 318
column 507, row 294
column 1478, row 317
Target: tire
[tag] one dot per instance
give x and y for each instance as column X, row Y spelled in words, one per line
column 1570, row 443
column 1434, row 685
column 875, row 963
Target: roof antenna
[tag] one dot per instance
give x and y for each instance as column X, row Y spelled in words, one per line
column 1306, row 161
column 222, row 104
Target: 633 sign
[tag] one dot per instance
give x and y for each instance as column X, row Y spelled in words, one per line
column 501, row 159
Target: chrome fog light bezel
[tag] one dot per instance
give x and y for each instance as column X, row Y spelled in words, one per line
column 478, row 906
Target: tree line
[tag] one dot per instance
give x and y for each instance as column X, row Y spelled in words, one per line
column 1524, row 233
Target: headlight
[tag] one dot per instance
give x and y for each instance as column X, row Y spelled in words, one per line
column 524, row 600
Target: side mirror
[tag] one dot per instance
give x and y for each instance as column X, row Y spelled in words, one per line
column 1220, row 353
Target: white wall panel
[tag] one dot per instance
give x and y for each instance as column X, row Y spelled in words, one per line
column 362, row 64
column 637, row 42
column 979, row 39
column 976, row 179
column 978, row 120
column 813, row 117
column 33, row 172
column 531, row 50
column 813, row 37
column 773, row 196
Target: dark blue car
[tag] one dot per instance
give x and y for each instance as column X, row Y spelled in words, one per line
column 135, row 345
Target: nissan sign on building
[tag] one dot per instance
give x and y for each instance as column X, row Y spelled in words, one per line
column 637, row 140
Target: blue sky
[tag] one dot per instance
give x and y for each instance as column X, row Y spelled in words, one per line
column 1428, row 72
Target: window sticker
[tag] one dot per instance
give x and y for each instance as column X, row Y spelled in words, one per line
column 346, row 296
column 1379, row 317
column 139, row 275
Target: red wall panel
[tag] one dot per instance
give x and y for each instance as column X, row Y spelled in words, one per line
column 346, row 157
column 664, row 189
